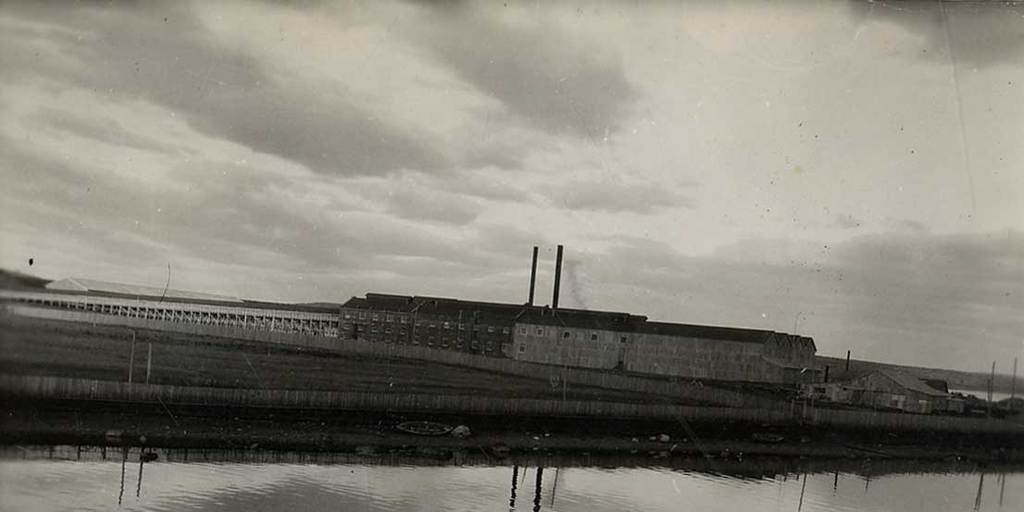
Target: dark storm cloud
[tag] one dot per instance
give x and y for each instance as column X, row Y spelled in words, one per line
column 538, row 73
column 163, row 54
column 980, row 33
column 617, row 196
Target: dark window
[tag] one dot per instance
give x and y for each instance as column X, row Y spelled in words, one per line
column 622, row 339
column 593, row 336
column 566, row 334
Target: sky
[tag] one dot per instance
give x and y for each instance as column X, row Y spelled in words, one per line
column 851, row 171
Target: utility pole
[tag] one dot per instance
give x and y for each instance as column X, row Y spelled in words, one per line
column 131, row 364
column 1013, row 384
column 847, row 360
column 149, row 361
column 991, row 379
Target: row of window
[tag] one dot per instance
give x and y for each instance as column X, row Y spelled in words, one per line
column 540, row 331
column 404, row 319
column 458, row 344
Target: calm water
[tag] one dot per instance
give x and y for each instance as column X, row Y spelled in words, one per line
column 41, row 484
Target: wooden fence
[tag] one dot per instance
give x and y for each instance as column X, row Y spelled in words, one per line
column 60, row 388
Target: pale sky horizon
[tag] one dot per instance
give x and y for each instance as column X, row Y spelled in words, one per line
column 851, row 171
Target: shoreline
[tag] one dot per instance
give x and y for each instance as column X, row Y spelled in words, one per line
column 373, row 433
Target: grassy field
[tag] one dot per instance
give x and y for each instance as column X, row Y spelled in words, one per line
column 44, row 347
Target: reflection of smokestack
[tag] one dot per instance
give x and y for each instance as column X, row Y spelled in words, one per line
column 558, row 277
column 540, row 481
column 533, row 275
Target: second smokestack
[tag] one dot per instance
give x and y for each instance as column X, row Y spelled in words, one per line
column 533, row 275
column 558, row 277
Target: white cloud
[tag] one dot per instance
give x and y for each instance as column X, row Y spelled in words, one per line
column 700, row 163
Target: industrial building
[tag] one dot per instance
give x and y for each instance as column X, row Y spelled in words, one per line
column 633, row 344
column 580, row 338
column 888, row 389
column 614, row 341
column 137, row 303
column 466, row 326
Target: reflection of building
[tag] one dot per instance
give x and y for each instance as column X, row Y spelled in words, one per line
column 885, row 388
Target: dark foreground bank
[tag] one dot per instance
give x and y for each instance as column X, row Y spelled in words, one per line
column 199, row 427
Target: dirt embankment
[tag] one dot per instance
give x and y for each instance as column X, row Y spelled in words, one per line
column 170, row 426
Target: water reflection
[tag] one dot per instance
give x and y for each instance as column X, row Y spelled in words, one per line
column 85, row 478
column 512, row 499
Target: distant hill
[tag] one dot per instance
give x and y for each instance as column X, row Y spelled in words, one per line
column 18, row 281
column 956, row 379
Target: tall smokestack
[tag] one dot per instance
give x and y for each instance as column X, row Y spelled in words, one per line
column 558, row 277
column 533, row 275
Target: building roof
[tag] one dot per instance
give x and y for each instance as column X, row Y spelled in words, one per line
column 908, row 382
column 583, row 319
column 253, row 304
column 486, row 311
column 498, row 312
column 707, row 332
column 92, row 285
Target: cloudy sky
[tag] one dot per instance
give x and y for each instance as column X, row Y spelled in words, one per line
column 850, row 170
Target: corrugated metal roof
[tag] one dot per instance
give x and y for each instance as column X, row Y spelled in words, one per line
column 93, row 285
column 903, row 380
column 485, row 311
column 311, row 308
column 583, row 319
column 710, row 332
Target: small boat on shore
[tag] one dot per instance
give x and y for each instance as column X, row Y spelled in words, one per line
column 764, row 437
column 424, row 428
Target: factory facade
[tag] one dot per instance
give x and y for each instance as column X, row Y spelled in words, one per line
column 580, row 338
column 605, row 340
